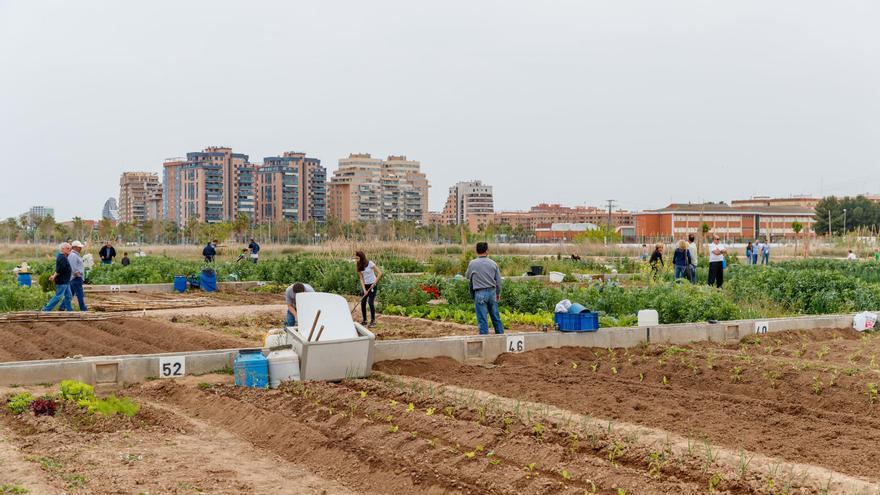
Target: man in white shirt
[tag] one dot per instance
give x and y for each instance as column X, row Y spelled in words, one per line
column 851, row 256
column 716, row 262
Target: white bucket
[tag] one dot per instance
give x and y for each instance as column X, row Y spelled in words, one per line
column 864, row 321
column 648, row 318
column 283, row 367
column 557, row 277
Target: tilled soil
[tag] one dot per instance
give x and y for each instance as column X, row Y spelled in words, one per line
column 53, row 340
column 824, row 414
column 158, row 451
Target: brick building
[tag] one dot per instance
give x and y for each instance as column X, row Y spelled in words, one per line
column 134, row 189
column 731, row 223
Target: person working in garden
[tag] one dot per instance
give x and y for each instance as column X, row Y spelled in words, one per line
column 716, row 262
column 61, row 277
column 681, row 261
column 290, row 298
column 125, row 260
column 255, row 250
column 210, row 251
column 485, row 284
column 656, row 261
column 107, row 253
column 369, row 275
column 243, row 256
column 78, row 270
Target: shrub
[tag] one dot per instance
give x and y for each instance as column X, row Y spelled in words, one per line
column 75, row 391
column 15, row 298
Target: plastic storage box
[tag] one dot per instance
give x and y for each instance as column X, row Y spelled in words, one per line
column 576, row 322
column 334, row 360
column 251, row 369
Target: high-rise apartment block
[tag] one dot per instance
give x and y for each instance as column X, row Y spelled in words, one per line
column 218, row 185
column 469, row 203
column 370, row 189
column 134, row 189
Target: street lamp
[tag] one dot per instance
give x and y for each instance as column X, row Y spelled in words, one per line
column 844, row 221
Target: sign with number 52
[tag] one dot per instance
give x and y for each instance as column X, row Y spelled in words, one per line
column 516, row 343
column 172, row 367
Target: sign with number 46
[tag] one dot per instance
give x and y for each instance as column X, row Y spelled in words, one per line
column 762, row 327
column 172, row 367
column 516, row 344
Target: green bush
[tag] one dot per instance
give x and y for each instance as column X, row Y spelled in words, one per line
column 15, row 298
column 75, row 391
column 19, row 403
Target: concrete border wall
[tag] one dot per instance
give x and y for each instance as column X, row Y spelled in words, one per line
column 112, row 371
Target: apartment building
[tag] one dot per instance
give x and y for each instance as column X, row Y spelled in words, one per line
column 544, row 214
column 469, row 203
column 134, row 188
column 732, row 223
column 370, row 189
column 218, row 185
column 311, row 184
column 155, row 205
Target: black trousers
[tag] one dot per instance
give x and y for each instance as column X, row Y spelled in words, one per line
column 716, row 273
column 371, row 298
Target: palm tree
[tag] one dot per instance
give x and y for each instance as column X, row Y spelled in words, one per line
column 797, row 227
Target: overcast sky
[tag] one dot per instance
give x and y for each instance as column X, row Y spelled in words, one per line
column 575, row 102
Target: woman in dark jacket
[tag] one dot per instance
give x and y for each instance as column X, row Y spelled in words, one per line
column 681, row 260
column 655, row 260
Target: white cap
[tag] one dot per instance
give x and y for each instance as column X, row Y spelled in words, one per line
column 76, row 244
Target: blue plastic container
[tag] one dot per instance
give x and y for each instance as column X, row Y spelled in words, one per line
column 576, row 322
column 208, row 280
column 180, row 283
column 251, row 369
column 24, row 279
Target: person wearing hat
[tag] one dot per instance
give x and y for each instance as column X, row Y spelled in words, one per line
column 77, row 267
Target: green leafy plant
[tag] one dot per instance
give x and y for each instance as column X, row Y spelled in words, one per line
column 113, row 405
column 19, row 403
column 78, row 392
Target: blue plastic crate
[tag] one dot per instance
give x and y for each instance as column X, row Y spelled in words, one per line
column 576, row 322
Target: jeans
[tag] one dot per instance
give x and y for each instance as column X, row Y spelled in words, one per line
column 716, row 273
column 485, row 302
column 106, row 262
column 754, row 259
column 765, row 258
column 679, row 271
column 76, row 287
column 61, row 291
column 289, row 319
column 693, row 274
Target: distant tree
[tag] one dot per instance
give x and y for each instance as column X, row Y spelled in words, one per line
column 106, row 231
column 797, row 227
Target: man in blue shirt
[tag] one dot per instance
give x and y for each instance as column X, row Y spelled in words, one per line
column 78, row 270
column 61, row 277
column 255, row 250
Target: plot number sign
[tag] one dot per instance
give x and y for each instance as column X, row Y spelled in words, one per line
column 761, row 327
column 172, row 366
column 516, row 344
column 114, row 288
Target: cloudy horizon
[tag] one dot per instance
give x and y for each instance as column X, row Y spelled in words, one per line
column 571, row 102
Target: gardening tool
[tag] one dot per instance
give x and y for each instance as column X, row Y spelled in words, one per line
column 362, row 298
column 314, row 324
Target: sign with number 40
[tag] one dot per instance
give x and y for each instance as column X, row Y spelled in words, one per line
column 762, row 327
column 172, row 367
column 516, row 344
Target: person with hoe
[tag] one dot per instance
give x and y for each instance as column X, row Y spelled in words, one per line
column 369, row 275
column 485, row 285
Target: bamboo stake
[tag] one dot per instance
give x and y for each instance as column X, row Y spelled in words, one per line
column 319, row 333
column 314, row 324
